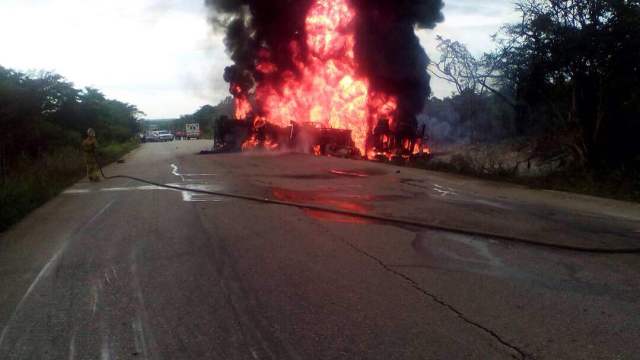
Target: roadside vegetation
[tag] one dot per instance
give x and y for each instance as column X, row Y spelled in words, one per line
column 555, row 105
column 43, row 119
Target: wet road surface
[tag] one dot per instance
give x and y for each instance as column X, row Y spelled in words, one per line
column 122, row 270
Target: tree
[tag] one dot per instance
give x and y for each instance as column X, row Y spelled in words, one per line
column 476, row 102
column 575, row 66
column 467, row 73
column 42, row 112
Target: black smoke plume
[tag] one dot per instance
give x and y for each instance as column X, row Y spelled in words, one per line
column 387, row 49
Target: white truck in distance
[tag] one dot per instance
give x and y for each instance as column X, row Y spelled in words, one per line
column 193, row 131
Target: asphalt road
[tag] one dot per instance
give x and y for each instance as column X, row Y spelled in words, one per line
column 122, row 270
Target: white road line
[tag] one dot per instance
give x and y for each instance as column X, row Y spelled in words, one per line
column 137, row 188
column 94, row 299
column 255, row 354
column 174, row 171
column 105, row 351
column 44, row 272
column 142, row 317
column 444, row 192
column 72, row 346
column 188, row 196
column 114, row 189
column 138, row 337
column 76, row 191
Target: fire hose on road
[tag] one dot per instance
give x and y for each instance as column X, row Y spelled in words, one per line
column 384, row 219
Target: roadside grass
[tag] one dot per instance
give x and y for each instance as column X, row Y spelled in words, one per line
column 112, row 152
column 614, row 184
column 35, row 181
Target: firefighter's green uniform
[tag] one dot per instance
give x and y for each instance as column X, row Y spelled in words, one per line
column 89, row 146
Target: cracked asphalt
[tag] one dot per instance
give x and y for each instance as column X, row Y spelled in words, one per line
column 123, row 270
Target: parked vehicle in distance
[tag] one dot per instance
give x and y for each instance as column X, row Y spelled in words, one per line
column 158, row 136
column 150, row 136
column 164, row 135
column 193, row 131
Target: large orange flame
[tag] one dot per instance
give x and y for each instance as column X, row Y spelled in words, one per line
column 326, row 91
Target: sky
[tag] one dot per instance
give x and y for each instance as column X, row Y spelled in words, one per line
column 162, row 55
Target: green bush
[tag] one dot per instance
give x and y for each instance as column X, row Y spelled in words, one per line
column 114, row 151
column 43, row 118
column 34, row 182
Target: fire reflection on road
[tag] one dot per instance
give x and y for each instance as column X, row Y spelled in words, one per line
column 329, row 199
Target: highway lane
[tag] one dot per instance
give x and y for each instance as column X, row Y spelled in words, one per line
column 122, row 270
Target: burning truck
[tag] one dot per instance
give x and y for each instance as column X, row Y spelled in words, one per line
column 330, row 77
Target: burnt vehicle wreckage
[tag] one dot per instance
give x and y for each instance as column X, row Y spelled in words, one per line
column 382, row 143
column 329, row 77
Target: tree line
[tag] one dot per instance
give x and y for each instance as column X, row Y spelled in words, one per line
column 43, row 119
column 567, row 76
column 42, row 112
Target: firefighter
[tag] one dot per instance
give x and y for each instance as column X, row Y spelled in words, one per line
column 89, row 146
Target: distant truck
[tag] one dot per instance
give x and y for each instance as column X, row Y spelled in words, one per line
column 193, row 131
column 181, row 134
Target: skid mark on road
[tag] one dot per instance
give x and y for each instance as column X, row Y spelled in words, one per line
column 46, row 270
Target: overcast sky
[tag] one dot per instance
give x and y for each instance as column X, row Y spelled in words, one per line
column 161, row 54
